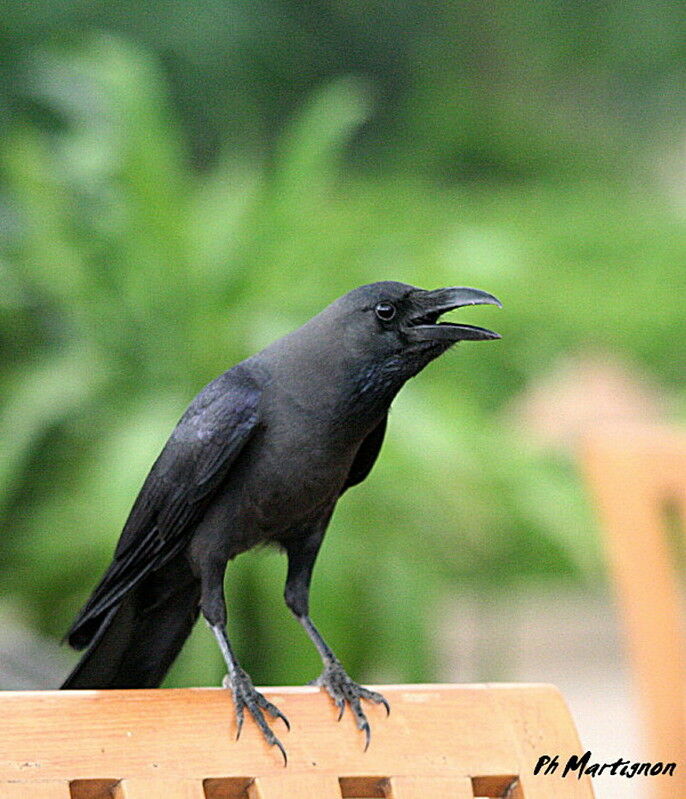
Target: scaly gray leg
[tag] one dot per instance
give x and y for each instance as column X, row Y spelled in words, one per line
column 246, row 696
column 301, row 557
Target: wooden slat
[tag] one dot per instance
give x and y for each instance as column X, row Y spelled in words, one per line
column 489, row 733
column 535, row 724
column 298, row 786
column 633, row 473
column 428, row 788
column 35, row 790
column 190, row 734
column 159, row 789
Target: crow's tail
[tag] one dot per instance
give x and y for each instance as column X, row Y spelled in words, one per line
column 138, row 639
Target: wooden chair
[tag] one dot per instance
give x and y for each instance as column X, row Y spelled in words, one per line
column 638, row 479
column 440, row 741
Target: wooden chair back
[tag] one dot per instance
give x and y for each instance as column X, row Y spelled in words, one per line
column 638, row 479
column 440, row 742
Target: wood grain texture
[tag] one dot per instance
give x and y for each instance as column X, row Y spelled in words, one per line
column 307, row 786
column 158, row 789
column 425, row 787
column 493, row 733
column 635, row 474
column 37, row 790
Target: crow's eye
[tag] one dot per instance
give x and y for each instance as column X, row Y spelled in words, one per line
column 385, row 311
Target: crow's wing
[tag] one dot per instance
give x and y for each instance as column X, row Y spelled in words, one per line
column 366, row 455
column 194, row 462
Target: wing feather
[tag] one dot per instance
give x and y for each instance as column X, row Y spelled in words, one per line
column 366, row 455
column 194, row 462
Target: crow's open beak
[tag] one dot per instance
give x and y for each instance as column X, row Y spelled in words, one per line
column 427, row 307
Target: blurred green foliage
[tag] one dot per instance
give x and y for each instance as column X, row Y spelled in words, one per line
column 501, row 87
column 131, row 278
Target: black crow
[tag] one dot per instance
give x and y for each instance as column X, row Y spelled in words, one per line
column 262, row 455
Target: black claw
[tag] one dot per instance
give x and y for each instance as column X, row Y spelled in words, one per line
column 367, row 735
column 244, row 695
column 277, row 714
column 239, row 718
column 343, row 691
column 373, row 696
column 278, row 744
column 273, row 711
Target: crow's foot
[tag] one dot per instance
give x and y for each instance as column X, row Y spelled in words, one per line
column 245, row 696
column 343, row 690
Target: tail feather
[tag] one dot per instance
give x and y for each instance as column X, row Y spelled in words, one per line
column 136, row 641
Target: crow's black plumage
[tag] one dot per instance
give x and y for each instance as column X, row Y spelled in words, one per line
column 261, row 456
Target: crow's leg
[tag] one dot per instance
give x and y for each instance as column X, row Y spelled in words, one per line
column 337, row 683
column 301, row 557
column 213, row 607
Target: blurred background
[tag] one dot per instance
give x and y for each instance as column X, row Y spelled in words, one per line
column 180, row 184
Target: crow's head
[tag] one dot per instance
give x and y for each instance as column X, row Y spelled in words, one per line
column 391, row 331
column 371, row 340
column 395, row 318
